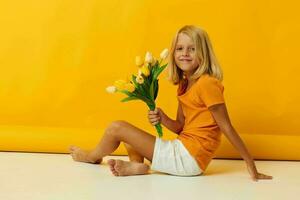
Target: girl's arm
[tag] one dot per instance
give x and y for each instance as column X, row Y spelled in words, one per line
column 175, row 126
column 220, row 114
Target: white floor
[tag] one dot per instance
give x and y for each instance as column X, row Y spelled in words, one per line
column 36, row 176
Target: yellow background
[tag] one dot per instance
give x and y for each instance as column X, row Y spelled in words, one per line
column 57, row 58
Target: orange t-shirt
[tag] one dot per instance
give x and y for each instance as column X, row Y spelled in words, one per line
column 201, row 135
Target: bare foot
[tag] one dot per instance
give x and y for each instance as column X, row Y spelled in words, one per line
column 82, row 156
column 112, row 164
column 125, row 168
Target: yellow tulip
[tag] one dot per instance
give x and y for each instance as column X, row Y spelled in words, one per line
column 148, row 57
column 138, row 61
column 153, row 61
column 145, row 70
column 164, row 54
column 139, row 72
column 129, row 87
column 139, row 79
column 119, row 84
column 111, row 89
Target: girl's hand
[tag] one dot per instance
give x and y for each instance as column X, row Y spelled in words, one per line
column 256, row 175
column 155, row 116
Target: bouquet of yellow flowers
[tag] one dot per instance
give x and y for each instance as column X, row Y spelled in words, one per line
column 144, row 85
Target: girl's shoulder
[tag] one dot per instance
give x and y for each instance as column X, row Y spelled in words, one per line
column 204, row 82
column 207, row 79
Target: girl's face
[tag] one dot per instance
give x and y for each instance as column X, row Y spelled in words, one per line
column 185, row 54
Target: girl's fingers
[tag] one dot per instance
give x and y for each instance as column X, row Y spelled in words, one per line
column 154, row 120
column 155, row 123
column 153, row 116
column 153, row 111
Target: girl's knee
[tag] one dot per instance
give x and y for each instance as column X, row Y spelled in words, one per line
column 115, row 126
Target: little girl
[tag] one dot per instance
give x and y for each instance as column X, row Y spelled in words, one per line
column 201, row 118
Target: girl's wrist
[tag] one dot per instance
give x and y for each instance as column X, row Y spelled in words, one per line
column 163, row 117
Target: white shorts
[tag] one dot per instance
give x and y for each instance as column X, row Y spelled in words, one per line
column 171, row 157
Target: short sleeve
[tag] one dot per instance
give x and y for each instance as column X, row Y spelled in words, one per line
column 210, row 91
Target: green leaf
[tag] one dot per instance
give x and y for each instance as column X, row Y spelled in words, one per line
column 137, row 95
column 151, row 105
column 152, row 90
column 142, row 89
column 147, row 82
column 136, row 85
column 155, row 88
column 156, row 70
column 139, row 89
column 127, row 93
column 153, row 70
column 159, row 70
column 129, row 99
column 145, row 87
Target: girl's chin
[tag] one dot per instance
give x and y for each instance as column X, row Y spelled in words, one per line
column 186, row 68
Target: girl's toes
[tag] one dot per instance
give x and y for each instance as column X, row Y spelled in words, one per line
column 111, row 162
column 116, row 174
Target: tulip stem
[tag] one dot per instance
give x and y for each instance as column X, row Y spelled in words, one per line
column 158, row 126
column 159, row 129
column 160, row 61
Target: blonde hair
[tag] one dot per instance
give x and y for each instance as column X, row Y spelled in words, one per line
column 205, row 55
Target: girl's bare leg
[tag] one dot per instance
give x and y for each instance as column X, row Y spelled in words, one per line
column 134, row 156
column 120, row 131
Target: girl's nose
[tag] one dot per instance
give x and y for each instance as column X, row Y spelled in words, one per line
column 185, row 52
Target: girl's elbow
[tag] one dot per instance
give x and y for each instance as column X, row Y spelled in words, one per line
column 226, row 128
column 179, row 127
column 178, row 131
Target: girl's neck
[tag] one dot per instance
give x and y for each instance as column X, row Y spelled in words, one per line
column 184, row 85
column 188, row 79
column 188, row 74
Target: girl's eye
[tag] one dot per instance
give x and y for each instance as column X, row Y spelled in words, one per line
column 189, row 49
